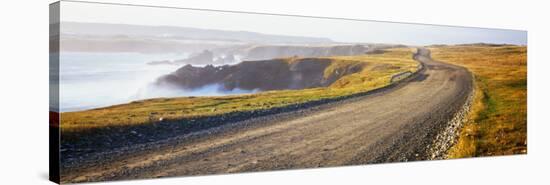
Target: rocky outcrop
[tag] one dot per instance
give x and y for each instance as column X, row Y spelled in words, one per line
column 226, row 59
column 161, row 62
column 279, row 51
column 204, row 57
column 290, row 73
column 221, row 56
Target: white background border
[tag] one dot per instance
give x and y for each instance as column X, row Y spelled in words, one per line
column 24, row 94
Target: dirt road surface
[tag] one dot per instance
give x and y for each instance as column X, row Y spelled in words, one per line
column 397, row 124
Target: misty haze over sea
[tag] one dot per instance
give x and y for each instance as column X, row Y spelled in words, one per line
column 108, row 64
column 92, row 80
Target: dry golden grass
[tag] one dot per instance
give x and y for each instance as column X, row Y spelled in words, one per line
column 498, row 120
column 376, row 72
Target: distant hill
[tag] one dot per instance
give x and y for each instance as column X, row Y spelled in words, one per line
column 102, row 37
column 180, row 33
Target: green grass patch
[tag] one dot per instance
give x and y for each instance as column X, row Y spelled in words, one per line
column 498, row 120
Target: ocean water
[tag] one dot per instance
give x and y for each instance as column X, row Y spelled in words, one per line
column 93, row 80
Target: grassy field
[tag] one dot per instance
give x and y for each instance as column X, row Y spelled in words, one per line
column 498, row 120
column 376, row 72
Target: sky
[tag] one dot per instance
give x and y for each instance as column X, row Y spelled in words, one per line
column 340, row 30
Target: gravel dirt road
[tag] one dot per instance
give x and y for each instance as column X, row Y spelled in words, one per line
column 397, row 124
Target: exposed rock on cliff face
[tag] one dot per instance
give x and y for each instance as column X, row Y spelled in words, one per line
column 276, row 74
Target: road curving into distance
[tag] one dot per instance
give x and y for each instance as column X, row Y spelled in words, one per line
column 397, row 124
